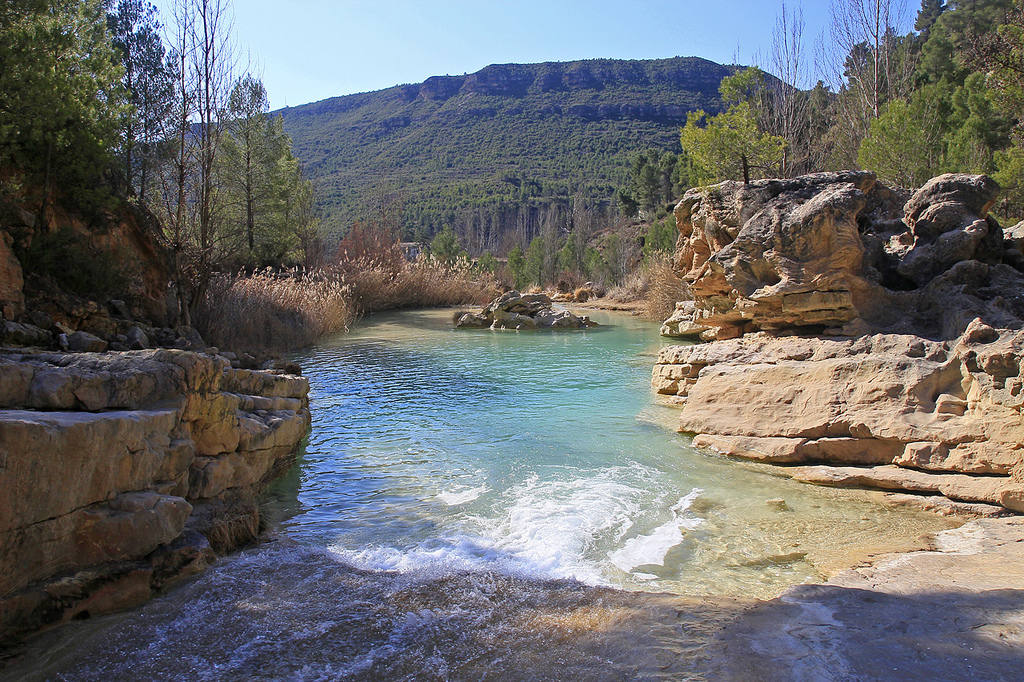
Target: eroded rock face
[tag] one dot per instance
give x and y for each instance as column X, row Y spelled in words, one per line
column 875, row 339
column 843, row 252
column 121, row 471
column 513, row 310
column 901, row 406
column 12, row 298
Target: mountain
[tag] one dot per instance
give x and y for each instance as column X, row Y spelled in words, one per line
column 489, row 152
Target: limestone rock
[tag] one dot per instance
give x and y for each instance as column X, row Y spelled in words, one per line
column 844, row 253
column 927, row 409
column 136, row 338
column 19, row 334
column 513, row 310
column 154, row 458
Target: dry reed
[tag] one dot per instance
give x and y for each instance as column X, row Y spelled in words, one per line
column 664, row 288
column 272, row 312
column 280, row 311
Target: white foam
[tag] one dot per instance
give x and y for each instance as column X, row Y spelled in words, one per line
column 453, row 498
column 652, row 548
column 552, row 528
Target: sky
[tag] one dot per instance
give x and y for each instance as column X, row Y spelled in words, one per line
column 309, row 50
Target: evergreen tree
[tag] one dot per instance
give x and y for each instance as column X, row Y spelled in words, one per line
column 445, row 246
column 730, row 146
column 61, row 99
column 517, row 267
column 149, row 82
column 929, row 13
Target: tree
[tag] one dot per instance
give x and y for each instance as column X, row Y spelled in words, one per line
column 869, row 64
column 149, row 82
column 61, row 98
column 487, row 262
column 730, row 146
column 251, row 152
column 533, row 267
column 517, row 267
column 929, row 13
column 445, row 246
column 904, row 144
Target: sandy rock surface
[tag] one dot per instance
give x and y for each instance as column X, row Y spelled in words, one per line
column 120, row 472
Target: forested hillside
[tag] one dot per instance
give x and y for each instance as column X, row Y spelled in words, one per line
column 491, row 151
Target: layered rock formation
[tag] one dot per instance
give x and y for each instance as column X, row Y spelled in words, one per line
column 513, row 310
column 120, row 472
column 854, row 326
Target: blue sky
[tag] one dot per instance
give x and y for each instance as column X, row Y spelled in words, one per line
column 309, row 50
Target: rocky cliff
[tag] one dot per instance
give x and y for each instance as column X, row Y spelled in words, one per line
column 120, row 472
column 870, row 336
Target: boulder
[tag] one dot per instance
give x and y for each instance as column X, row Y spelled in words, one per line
column 513, row 310
column 844, row 253
column 84, row 342
column 874, row 336
column 136, row 339
column 18, row 334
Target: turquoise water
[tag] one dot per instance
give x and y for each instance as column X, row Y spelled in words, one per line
column 542, row 454
column 487, row 505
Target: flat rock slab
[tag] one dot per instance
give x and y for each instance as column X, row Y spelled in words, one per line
column 956, row 613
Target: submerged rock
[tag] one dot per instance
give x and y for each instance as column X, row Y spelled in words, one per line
column 513, row 310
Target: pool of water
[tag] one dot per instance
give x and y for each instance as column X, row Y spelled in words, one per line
column 477, row 504
column 545, row 455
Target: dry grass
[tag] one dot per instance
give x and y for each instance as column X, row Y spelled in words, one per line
column 271, row 312
column 274, row 311
column 664, row 289
column 633, row 287
column 424, row 283
column 654, row 283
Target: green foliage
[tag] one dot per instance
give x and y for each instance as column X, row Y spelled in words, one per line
column 445, row 246
column 730, row 146
column 149, row 82
column 499, row 154
column 661, row 237
column 533, row 269
column 266, row 202
column 904, row 144
column 61, row 99
column 517, row 267
column 67, row 259
column 1010, row 176
column 656, row 179
column 487, row 263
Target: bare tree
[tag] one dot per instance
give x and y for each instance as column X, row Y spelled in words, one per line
column 176, row 174
column 866, row 62
column 788, row 105
column 201, row 60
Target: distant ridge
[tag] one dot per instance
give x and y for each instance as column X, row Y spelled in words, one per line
column 488, row 151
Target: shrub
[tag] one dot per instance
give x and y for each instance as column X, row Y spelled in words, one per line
column 272, row 312
column 664, row 288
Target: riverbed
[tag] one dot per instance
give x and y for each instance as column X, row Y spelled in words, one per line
column 478, row 504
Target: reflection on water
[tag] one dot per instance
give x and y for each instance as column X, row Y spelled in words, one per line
column 466, row 504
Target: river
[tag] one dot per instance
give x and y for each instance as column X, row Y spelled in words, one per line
column 489, row 505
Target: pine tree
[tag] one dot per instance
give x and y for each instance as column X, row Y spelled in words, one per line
column 61, row 99
column 929, row 13
column 148, row 80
